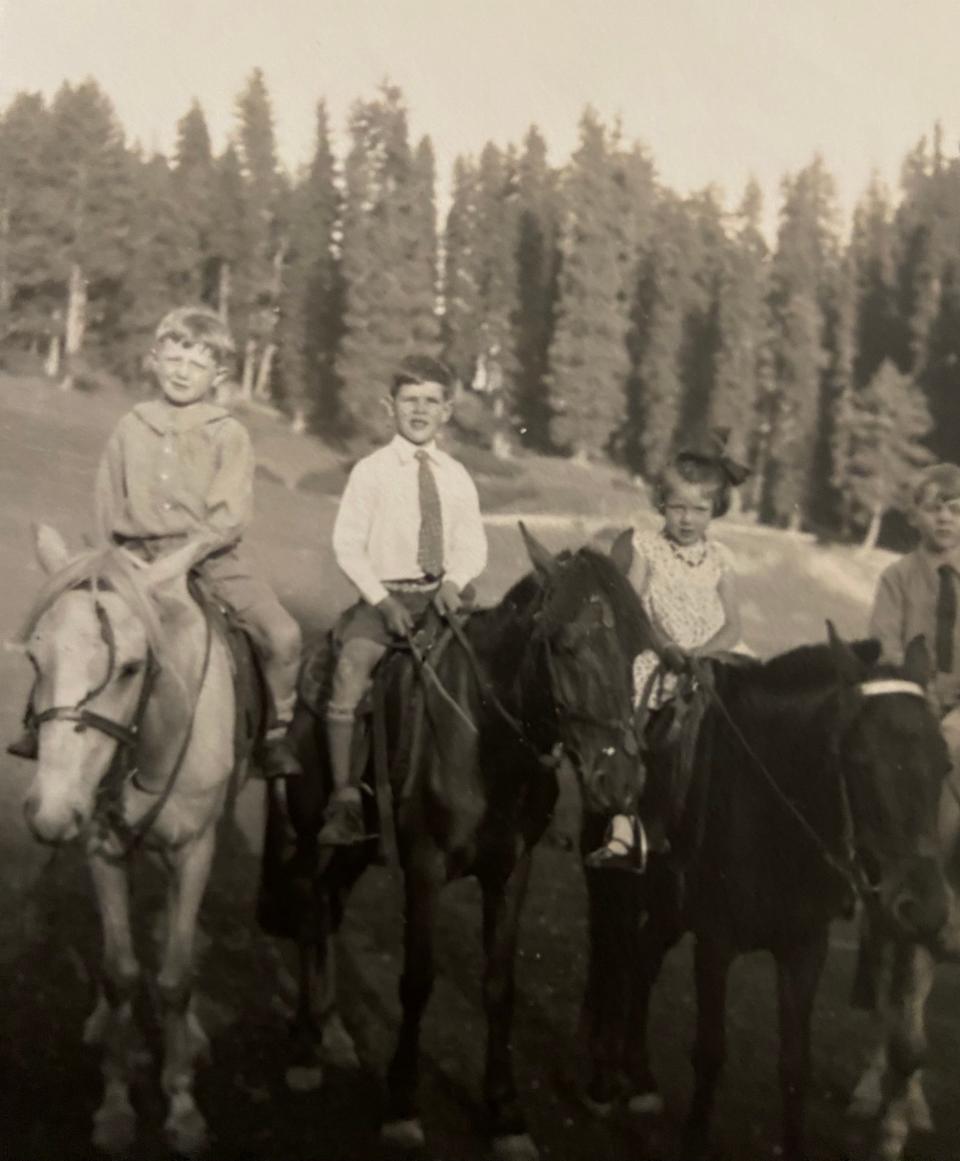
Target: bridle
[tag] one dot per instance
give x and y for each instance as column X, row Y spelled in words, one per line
column 122, row 769
column 848, row 865
column 127, row 736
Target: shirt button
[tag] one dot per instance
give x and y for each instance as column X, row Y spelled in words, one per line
column 167, row 506
column 164, row 476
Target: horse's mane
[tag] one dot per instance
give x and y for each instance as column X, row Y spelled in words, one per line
column 808, row 668
column 633, row 625
column 111, row 569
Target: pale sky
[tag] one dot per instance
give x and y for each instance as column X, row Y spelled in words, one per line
column 717, row 89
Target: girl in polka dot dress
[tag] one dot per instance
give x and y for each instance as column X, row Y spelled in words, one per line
column 688, row 590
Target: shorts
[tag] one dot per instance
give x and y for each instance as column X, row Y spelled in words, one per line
column 366, row 621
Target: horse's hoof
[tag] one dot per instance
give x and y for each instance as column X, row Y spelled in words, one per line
column 114, row 1129
column 645, row 1104
column 403, row 1134
column 95, row 1025
column 921, row 1118
column 304, row 1077
column 337, row 1046
column 515, row 1147
column 186, row 1132
column 600, row 1109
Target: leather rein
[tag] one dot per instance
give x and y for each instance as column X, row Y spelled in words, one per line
column 122, row 769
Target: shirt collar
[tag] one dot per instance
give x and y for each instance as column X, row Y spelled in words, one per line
column 407, row 451
column 934, row 562
column 159, row 415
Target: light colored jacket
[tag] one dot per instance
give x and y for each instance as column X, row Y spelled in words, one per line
column 176, row 471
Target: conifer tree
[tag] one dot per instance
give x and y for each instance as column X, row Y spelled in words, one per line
column 803, row 266
column 265, row 191
column 383, row 257
column 90, row 206
column 589, row 361
column 195, row 188
column 538, row 264
column 312, row 304
column 462, row 272
column 888, row 423
column 29, row 291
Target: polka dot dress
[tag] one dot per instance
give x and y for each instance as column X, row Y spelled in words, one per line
column 681, row 595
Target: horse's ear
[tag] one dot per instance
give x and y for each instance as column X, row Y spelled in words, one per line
column 917, row 665
column 621, row 553
column 51, row 548
column 850, row 669
column 543, row 560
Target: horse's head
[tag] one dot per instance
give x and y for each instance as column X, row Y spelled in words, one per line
column 90, row 646
column 588, row 624
column 893, row 762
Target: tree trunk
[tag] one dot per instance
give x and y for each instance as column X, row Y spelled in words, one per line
column 76, row 321
column 873, row 529
column 6, row 290
column 51, row 364
column 224, row 290
column 247, row 374
column 298, row 425
column 262, row 388
column 795, row 523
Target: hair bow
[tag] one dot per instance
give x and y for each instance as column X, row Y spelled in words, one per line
column 713, row 450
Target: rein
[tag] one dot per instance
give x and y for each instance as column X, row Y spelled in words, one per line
column 121, row 770
column 852, row 871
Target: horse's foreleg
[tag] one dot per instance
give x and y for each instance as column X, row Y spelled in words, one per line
column 112, row 1022
column 184, row 1039
column 798, row 973
column 423, row 877
column 502, row 903
column 711, row 965
column 903, row 1103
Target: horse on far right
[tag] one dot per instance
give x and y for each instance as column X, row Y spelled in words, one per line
column 895, row 979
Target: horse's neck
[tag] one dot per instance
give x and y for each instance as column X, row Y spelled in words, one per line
column 179, row 681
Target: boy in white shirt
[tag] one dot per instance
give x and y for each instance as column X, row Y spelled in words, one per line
column 408, row 533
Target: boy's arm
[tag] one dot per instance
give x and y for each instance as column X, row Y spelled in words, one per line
column 468, row 552
column 229, row 508
column 887, row 618
column 351, row 532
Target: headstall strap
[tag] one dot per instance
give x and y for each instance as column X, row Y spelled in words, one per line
column 885, row 685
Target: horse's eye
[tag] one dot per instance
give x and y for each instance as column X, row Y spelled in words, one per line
column 130, row 669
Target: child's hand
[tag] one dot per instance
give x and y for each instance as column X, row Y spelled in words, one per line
column 448, row 599
column 674, row 658
column 397, row 616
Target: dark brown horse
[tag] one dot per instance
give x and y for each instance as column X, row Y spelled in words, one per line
column 548, row 669
column 815, row 776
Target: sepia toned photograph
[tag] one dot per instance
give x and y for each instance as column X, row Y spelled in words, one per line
column 480, row 511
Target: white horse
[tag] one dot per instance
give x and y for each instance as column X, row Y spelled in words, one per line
column 891, row 1086
column 135, row 701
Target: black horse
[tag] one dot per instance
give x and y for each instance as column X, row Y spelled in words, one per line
column 546, row 671
column 814, row 777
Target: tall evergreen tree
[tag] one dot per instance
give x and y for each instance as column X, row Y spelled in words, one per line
column 92, row 205
column 803, row 266
column 589, row 361
column 195, row 188
column 382, row 257
column 538, row 264
column 889, row 422
column 462, row 272
column 312, row 304
column 29, row 287
column 265, row 192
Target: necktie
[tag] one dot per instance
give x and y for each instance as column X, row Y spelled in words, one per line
column 430, row 543
column 946, row 618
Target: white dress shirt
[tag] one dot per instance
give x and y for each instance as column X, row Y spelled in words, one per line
column 377, row 530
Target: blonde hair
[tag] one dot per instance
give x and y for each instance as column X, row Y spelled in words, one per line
column 201, row 325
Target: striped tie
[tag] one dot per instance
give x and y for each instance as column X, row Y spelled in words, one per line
column 430, row 544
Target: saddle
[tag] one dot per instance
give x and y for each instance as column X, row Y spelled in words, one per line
column 386, row 771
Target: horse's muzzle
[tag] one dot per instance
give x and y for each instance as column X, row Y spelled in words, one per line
column 53, row 827
column 916, row 900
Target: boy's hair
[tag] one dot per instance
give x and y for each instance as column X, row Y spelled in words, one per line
column 198, row 324
column 943, row 480
column 423, row 369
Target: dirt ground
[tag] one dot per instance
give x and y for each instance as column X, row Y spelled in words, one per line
column 49, row 1083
